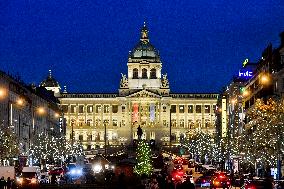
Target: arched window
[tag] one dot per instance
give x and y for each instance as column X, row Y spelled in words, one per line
column 153, row 74
column 144, row 73
column 135, row 73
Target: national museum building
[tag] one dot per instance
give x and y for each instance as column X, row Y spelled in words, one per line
column 144, row 99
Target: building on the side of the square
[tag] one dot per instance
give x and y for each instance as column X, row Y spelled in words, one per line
column 144, row 99
column 28, row 111
column 261, row 80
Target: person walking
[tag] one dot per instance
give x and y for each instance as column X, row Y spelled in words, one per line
column 9, row 183
column 2, row 183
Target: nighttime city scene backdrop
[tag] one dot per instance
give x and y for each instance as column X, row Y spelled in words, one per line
column 86, row 43
column 141, row 94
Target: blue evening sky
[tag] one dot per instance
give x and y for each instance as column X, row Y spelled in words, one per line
column 86, row 42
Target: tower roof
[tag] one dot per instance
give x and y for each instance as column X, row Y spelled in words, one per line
column 144, row 49
column 49, row 81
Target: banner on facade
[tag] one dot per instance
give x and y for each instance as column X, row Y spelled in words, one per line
column 152, row 112
column 135, row 116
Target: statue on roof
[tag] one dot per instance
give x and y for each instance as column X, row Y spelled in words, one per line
column 123, row 81
column 165, row 81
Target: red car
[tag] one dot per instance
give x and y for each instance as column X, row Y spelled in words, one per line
column 57, row 171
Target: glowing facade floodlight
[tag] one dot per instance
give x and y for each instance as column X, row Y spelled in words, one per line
column 40, row 110
column 264, row 79
column 20, row 102
column 56, row 115
column 3, row 92
column 245, row 93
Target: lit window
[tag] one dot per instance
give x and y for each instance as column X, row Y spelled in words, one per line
column 190, row 109
column 98, row 108
column 90, row 108
column 181, row 108
column 114, row 122
column 207, row 108
column 106, row 108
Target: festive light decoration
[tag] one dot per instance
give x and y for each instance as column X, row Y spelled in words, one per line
column 53, row 149
column 201, row 145
column 9, row 144
column 262, row 140
column 143, row 157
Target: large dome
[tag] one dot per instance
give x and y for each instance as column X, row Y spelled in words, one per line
column 144, row 49
column 49, row 81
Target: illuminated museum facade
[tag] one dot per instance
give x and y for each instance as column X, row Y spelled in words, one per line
column 143, row 99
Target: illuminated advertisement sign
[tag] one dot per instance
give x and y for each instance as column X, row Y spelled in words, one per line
column 245, row 73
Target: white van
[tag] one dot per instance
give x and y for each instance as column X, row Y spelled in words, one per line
column 29, row 176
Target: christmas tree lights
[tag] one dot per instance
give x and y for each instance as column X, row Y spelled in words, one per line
column 9, row 144
column 143, row 157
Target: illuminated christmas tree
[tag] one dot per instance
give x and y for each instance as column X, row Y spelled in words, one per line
column 9, row 145
column 143, row 158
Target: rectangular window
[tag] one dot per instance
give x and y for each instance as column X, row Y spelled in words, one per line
column 207, row 123
column 123, row 122
column 190, row 109
column 123, row 108
column 89, row 122
column 98, row 108
column 98, row 122
column 81, row 108
column 164, row 123
column 81, row 122
column 90, row 108
column 198, row 109
column 64, row 108
column 73, row 109
column 89, row 138
column 164, row 108
column 114, row 122
column 181, row 123
column 214, row 108
column 106, row 108
column 174, row 123
column 81, row 137
column 207, row 109
column 114, row 109
column 173, row 108
column 190, row 124
column 181, row 108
